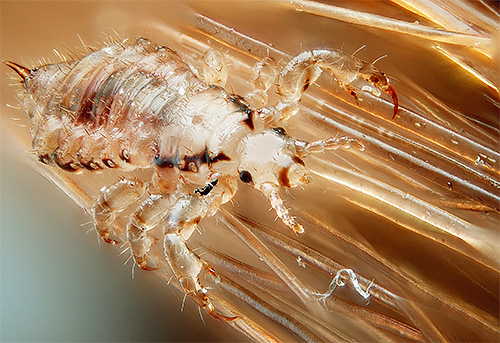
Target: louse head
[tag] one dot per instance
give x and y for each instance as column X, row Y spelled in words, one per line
column 271, row 158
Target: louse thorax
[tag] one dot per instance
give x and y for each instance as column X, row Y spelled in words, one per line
column 200, row 142
column 270, row 160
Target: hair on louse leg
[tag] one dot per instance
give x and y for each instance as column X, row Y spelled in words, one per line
column 164, row 201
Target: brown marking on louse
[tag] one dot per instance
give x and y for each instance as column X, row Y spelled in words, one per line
column 392, row 92
column 109, row 163
column 166, row 162
column 220, row 157
column 298, row 160
column 242, row 105
column 249, row 122
column 125, row 156
column 84, row 114
column 280, row 131
column 104, row 98
column 69, row 166
column 193, row 163
column 384, row 84
column 45, row 159
column 307, row 83
column 283, row 177
column 91, row 165
column 23, row 72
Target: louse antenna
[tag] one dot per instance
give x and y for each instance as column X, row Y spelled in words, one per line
column 378, row 59
column 359, row 49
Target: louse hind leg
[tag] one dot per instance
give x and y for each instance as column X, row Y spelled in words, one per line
column 113, row 199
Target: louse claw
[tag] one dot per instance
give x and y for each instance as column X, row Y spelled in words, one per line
column 219, row 316
column 149, row 269
column 392, row 92
column 202, row 300
column 142, row 263
column 110, row 241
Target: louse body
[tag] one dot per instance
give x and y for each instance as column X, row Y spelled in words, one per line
column 139, row 105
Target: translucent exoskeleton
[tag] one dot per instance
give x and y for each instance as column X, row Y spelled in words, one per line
column 139, row 105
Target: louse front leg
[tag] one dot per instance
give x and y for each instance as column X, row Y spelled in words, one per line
column 112, row 200
column 187, row 266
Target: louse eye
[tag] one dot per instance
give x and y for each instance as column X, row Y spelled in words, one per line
column 164, row 162
column 245, row 176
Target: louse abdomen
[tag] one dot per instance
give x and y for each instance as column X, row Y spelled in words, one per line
column 107, row 109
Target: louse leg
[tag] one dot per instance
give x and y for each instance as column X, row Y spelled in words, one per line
column 141, row 223
column 271, row 192
column 214, row 68
column 180, row 223
column 179, row 216
column 187, row 268
column 113, row 199
column 263, row 78
column 304, row 69
column 304, row 147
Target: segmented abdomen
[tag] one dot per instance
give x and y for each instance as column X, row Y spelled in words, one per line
column 107, row 109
